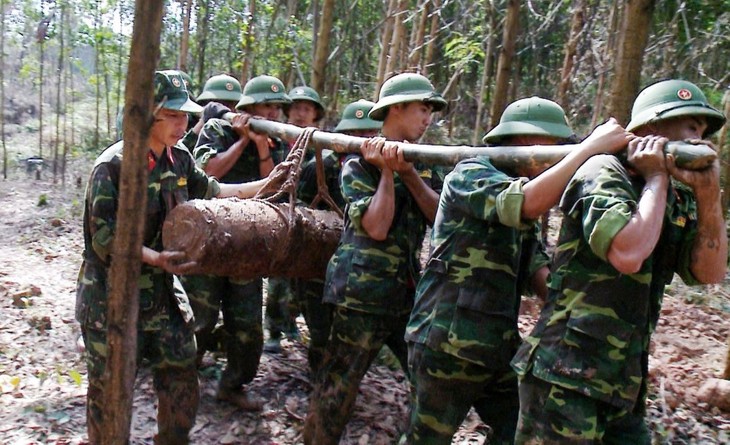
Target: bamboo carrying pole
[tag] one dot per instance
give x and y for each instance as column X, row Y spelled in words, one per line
column 690, row 156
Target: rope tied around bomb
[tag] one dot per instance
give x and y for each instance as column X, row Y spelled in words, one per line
column 283, row 181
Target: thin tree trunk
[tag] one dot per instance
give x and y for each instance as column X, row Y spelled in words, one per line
column 120, row 57
column 576, row 29
column 97, row 55
column 203, row 19
column 431, row 46
column 491, row 19
column 633, row 39
column 321, row 52
column 59, row 68
column 414, row 61
column 315, row 25
column 504, row 65
column 723, row 146
column 41, row 41
column 2, row 88
column 397, row 40
column 187, row 7
column 249, row 37
column 614, row 19
column 127, row 252
column 385, row 40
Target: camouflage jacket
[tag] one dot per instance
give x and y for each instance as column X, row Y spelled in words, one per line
column 173, row 180
column 217, row 136
column 372, row 276
column 482, row 255
column 593, row 334
column 307, row 187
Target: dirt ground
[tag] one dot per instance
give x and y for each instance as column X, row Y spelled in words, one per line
column 43, row 376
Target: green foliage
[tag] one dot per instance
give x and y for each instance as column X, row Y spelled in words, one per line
column 42, row 200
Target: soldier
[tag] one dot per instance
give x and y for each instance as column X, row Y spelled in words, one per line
column 305, row 110
column 627, row 228
column 220, row 95
column 165, row 332
column 233, row 153
column 318, row 315
column 485, row 253
column 371, row 277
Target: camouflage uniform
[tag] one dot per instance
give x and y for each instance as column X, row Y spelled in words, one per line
column 463, row 328
column 239, row 300
column 165, row 332
column 589, row 350
column 372, row 284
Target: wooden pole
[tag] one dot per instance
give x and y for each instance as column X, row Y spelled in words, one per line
column 690, row 156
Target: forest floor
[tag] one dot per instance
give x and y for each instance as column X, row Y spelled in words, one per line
column 43, row 374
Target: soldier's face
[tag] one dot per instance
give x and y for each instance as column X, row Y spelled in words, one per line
column 302, row 113
column 168, row 128
column 270, row 111
column 677, row 129
column 413, row 119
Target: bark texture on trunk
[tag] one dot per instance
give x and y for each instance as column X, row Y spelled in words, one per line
column 253, row 238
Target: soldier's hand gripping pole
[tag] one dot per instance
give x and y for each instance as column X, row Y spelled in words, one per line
column 689, row 156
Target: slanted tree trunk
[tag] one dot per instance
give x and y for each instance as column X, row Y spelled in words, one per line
column 431, row 46
column 385, row 40
column 127, row 252
column 395, row 43
column 419, row 35
column 504, row 65
column 571, row 46
column 248, row 42
column 632, row 42
column 321, row 52
column 182, row 62
column 260, row 236
column 491, row 18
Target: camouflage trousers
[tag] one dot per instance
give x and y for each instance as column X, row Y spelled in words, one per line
column 318, row 316
column 281, row 307
column 354, row 342
column 171, row 354
column 551, row 414
column 443, row 390
column 241, row 334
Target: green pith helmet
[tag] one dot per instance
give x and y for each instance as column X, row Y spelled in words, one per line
column 673, row 98
column 221, row 87
column 406, row 87
column 308, row 94
column 263, row 89
column 355, row 117
column 171, row 94
column 188, row 83
column 532, row 116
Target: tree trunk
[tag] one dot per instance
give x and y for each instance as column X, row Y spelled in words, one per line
column 97, row 74
column 385, row 40
column 632, row 42
column 576, row 29
column 248, row 42
column 321, row 52
column 723, row 146
column 614, row 19
column 431, row 46
column 414, row 60
column 504, row 66
column 203, row 19
column 127, row 252
column 42, row 45
column 2, row 88
column 59, row 69
column 120, row 58
column 182, row 62
column 396, row 42
column 253, row 238
column 491, row 19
